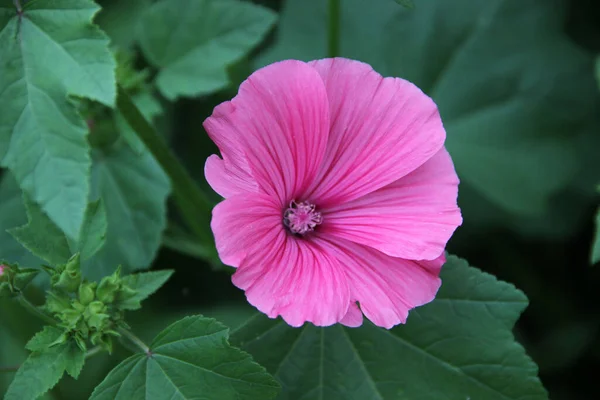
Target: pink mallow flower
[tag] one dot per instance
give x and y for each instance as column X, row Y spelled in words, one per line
column 2, row 267
column 339, row 194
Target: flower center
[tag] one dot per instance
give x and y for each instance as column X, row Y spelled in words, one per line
column 301, row 218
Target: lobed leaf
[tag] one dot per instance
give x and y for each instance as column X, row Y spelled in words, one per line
column 41, row 236
column 191, row 359
column 194, row 42
column 42, row 137
column 134, row 190
column 93, row 231
column 42, row 371
column 457, row 347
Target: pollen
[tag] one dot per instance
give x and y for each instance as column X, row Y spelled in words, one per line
column 301, row 217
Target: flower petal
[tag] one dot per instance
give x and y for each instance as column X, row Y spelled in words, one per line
column 231, row 175
column 387, row 287
column 279, row 124
column 228, row 179
column 243, row 224
column 296, row 279
column 354, row 317
column 381, row 130
column 412, row 218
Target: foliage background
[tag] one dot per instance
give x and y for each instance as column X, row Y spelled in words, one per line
column 528, row 191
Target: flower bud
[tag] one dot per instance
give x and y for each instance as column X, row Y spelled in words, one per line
column 108, row 287
column 87, row 292
column 70, row 278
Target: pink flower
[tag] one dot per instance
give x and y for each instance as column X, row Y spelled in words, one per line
column 338, row 191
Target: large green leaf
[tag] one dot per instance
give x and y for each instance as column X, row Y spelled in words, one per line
column 41, row 236
column 191, row 359
column 134, row 190
column 460, row 346
column 512, row 90
column 42, row 370
column 12, row 214
column 49, row 50
column 119, row 20
column 93, row 231
column 195, row 41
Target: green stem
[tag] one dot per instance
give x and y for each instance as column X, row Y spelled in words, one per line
column 35, row 310
column 135, row 340
column 14, row 368
column 333, row 39
column 193, row 204
column 93, row 351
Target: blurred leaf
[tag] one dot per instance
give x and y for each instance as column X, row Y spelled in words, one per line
column 195, row 41
column 190, row 359
column 42, row 137
column 459, row 346
column 406, row 3
column 145, row 284
column 513, row 91
column 93, row 231
column 595, row 257
column 119, row 20
column 598, row 71
column 41, row 236
column 561, row 347
column 42, row 371
column 134, row 191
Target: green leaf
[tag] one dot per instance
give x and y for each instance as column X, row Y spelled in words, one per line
column 119, row 20
column 189, row 359
column 459, row 346
column 134, row 190
column 406, row 3
column 595, row 257
column 12, row 214
column 42, row 371
column 510, row 86
column 145, row 284
column 50, row 51
column 44, row 339
column 41, row 236
column 196, row 41
column 93, row 231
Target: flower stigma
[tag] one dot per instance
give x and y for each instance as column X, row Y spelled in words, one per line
column 301, row 218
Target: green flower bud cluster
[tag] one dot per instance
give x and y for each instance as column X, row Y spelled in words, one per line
column 14, row 279
column 87, row 311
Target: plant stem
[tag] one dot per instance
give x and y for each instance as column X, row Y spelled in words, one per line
column 193, row 204
column 13, row 368
column 135, row 340
column 93, row 351
column 35, row 310
column 333, row 39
